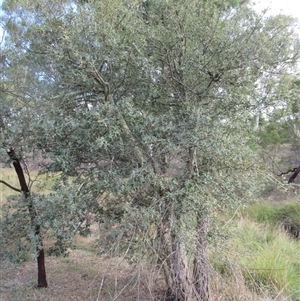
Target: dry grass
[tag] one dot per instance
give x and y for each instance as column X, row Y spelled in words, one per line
column 85, row 276
column 40, row 183
column 9, row 176
column 81, row 276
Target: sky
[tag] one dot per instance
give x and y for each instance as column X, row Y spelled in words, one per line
column 287, row 7
column 291, row 7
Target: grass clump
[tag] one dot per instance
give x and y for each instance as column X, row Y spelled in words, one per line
column 260, row 261
column 286, row 215
column 269, row 258
column 262, row 213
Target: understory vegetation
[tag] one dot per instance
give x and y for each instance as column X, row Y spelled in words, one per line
column 256, row 260
column 264, row 251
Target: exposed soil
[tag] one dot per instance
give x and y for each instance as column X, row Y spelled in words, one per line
column 81, row 276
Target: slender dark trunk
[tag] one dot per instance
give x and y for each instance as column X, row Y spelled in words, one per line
column 42, row 281
column 201, row 260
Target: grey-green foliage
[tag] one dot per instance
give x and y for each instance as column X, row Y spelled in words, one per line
column 18, row 239
column 281, row 124
column 145, row 104
column 278, row 129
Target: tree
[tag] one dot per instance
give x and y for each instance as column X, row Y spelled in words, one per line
column 42, row 280
column 145, row 104
column 278, row 131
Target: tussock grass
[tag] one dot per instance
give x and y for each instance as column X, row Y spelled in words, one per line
column 263, row 212
column 264, row 258
column 274, row 263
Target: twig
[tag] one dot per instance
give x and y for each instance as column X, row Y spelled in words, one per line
column 231, row 217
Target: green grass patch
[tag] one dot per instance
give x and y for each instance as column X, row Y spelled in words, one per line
column 266, row 212
column 275, row 214
column 268, row 257
column 259, row 256
column 262, row 213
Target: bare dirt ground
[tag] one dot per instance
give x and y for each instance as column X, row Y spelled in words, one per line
column 81, row 276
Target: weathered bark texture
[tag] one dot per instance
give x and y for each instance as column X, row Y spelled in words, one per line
column 182, row 283
column 201, row 261
column 42, row 280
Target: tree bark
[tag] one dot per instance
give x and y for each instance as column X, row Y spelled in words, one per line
column 42, row 280
column 182, row 287
column 201, row 260
column 182, row 283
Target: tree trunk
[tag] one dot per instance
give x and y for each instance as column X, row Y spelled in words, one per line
column 182, row 284
column 162, row 249
column 201, row 261
column 182, row 288
column 42, row 280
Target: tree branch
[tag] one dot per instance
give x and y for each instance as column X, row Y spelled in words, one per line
column 11, row 187
column 295, row 172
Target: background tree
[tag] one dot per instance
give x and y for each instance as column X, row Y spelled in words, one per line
column 33, row 225
column 279, row 126
column 146, row 106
